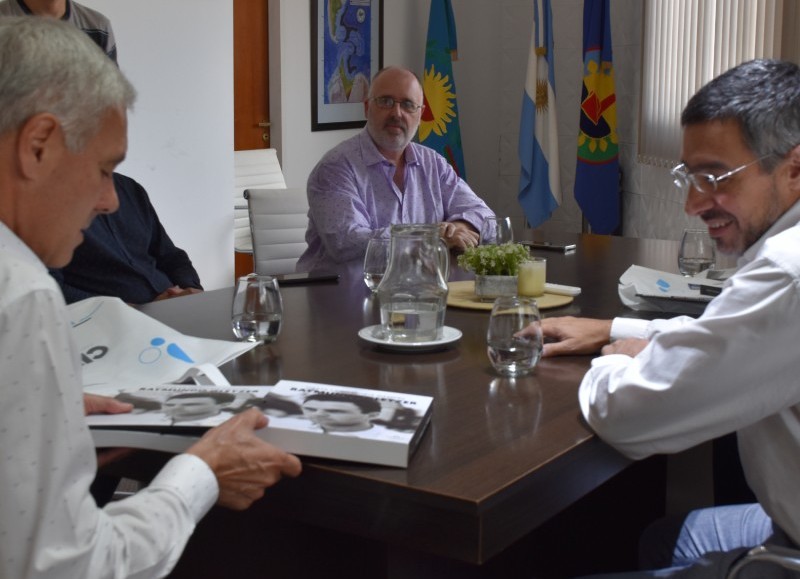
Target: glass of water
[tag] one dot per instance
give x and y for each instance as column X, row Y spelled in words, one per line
column 375, row 261
column 697, row 252
column 510, row 354
column 496, row 231
column 257, row 308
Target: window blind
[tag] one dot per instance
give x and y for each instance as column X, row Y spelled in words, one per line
column 686, row 43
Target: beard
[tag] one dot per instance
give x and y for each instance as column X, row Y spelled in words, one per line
column 390, row 141
column 747, row 233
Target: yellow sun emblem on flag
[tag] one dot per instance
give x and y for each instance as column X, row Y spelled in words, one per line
column 439, row 100
column 541, row 96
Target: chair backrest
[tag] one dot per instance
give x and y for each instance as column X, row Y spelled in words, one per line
column 258, row 168
column 278, row 223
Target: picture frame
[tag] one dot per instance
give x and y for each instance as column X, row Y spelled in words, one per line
column 344, row 57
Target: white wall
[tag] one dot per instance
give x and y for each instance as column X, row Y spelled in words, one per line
column 179, row 56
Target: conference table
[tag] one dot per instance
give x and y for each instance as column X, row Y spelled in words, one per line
column 502, row 457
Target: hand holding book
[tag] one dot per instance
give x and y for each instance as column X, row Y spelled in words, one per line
column 243, row 463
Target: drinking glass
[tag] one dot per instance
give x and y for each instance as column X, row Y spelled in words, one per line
column 532, row 277
column 697, row 252
column 496, row 230
column 375, row 261
column 257, row 308
column 510, row 354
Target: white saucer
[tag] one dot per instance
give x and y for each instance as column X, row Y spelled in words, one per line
column 373, row 334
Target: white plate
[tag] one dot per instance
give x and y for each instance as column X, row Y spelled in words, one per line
column 373, row 334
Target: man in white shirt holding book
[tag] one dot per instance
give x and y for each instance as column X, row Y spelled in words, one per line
column 63, row 125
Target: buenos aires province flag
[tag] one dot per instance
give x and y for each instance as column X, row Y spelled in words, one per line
column 439, row 127
column 539, row 183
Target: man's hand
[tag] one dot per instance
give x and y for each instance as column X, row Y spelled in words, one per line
column 629, row 346
column 243, row 463
column 96, row 404
column 571, row 336
column 458, row 234
column 175, row 291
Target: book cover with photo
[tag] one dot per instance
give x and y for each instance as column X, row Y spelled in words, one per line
column 305, row 418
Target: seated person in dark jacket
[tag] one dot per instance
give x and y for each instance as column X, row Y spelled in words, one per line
column 128, row 255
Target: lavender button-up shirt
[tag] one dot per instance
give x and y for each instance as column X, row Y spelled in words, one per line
column 352, row 197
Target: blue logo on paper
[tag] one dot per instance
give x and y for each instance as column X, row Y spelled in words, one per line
column 153, row 353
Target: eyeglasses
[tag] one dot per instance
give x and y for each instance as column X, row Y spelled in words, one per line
column 387, row 102
column 705, row 183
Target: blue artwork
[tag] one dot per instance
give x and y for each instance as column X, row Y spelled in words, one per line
column 346, row 56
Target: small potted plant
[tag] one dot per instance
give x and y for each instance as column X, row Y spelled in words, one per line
column 495, row 267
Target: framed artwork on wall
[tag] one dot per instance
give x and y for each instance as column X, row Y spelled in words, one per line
column 346, row 50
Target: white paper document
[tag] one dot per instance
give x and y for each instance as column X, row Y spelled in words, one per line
column 120, row 347
column 642, row 288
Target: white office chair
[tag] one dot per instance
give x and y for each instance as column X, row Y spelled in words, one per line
column 258, row 168
column 278, row 223
column 782, row 556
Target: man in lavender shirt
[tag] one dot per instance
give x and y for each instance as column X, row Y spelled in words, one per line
column 379, row 177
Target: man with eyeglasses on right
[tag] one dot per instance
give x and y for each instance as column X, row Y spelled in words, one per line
column 668, row 385
column 379, row 178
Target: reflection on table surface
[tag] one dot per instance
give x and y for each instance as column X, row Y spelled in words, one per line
column 501, row 456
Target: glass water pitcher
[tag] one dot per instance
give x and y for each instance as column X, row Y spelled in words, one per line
column 413, row 292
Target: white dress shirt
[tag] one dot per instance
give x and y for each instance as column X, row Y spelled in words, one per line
column 735, row 368
column 50, row 525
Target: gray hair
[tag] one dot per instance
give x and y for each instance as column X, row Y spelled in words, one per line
column 763, row 97
column 49, row 66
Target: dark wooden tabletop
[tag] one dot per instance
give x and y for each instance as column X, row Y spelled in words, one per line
column 501, row 455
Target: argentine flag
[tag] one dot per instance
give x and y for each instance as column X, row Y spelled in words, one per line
column 539, row 182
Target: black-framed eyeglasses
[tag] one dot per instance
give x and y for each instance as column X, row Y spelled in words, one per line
column 705, row 183
column 387, row 102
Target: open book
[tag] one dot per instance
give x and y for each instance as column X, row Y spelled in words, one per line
column 305, row 418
